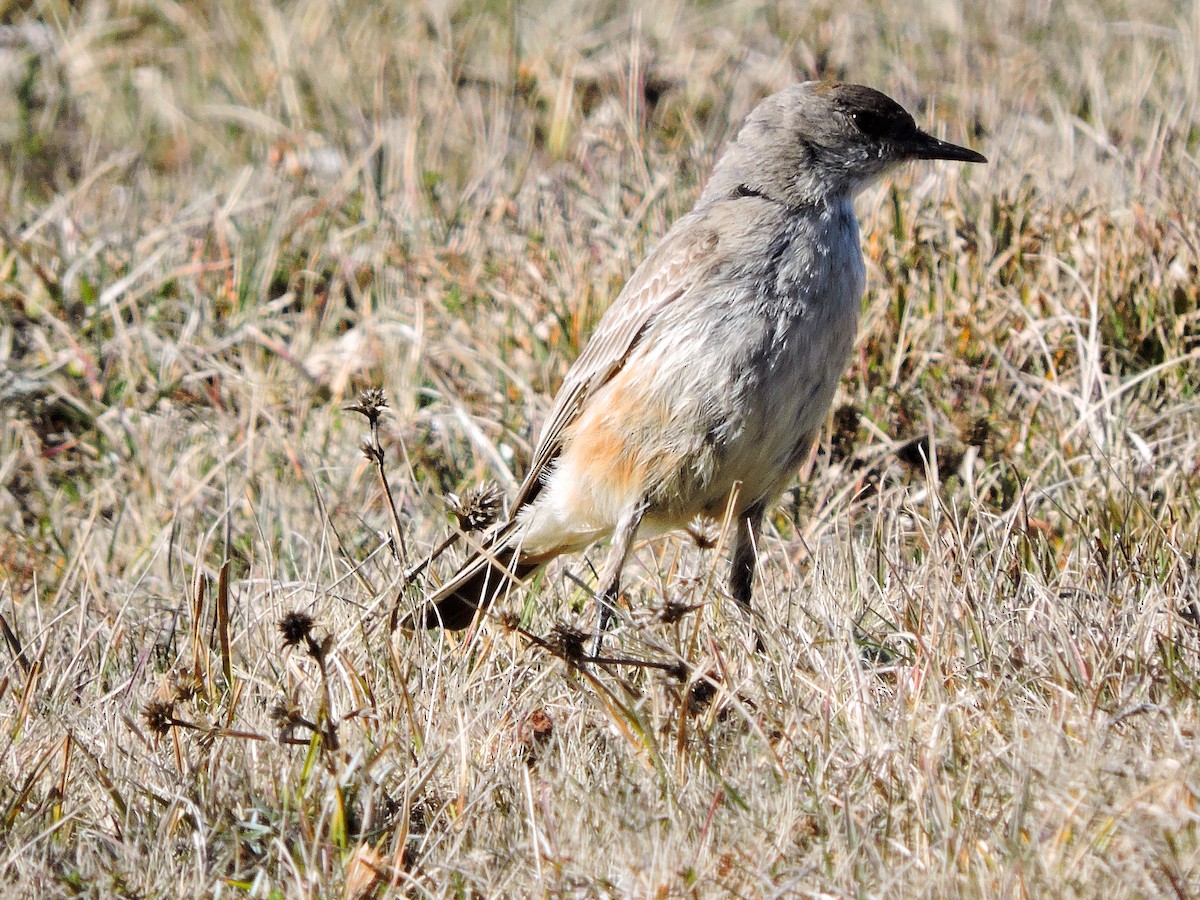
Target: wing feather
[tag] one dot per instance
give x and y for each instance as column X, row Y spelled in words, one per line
column 680, row 263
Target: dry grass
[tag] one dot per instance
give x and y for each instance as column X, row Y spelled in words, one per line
column 221, row 221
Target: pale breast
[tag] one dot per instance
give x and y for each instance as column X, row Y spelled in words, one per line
column 754, row 376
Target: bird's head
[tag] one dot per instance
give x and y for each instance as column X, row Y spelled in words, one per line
column 819, row 139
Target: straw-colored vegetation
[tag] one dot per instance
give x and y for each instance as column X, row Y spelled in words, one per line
column 222, row 221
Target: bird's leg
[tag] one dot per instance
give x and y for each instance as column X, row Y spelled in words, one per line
column 610, row 575
column 745, row 561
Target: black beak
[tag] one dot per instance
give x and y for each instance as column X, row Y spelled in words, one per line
column 926, row 146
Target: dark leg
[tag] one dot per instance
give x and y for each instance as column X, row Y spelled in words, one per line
column 745, row 561
column 610, row 576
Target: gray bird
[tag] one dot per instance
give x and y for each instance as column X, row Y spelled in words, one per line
column 707, row 381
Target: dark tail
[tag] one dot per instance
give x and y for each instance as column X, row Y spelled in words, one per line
column 488, row 574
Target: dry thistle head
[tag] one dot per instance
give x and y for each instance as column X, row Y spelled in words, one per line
column 295, row 627
column 371, row 451
column 184, row 685
column 159, row 716
column 285, row 714
column 298, row 626
column 478, row 508
column 704, row 532
column 674, row 610
column 371, row 403
column 567, row 642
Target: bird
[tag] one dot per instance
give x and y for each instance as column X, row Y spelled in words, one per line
column 705, row 384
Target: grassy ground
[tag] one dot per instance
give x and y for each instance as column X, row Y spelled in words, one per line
column 222, row 221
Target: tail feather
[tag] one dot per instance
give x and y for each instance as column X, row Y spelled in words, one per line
column 488, row 574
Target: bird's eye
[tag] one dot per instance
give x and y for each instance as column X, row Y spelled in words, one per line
column 872, row 124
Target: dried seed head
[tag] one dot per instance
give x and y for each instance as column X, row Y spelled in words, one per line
column 372, row 452
column 673, row 610
column 704, row 532
column 295, row 627
column 371, row 403
column 159, row 716
column 567, row 642
column 478, row 508
column 185, row 685
column 285, row 714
